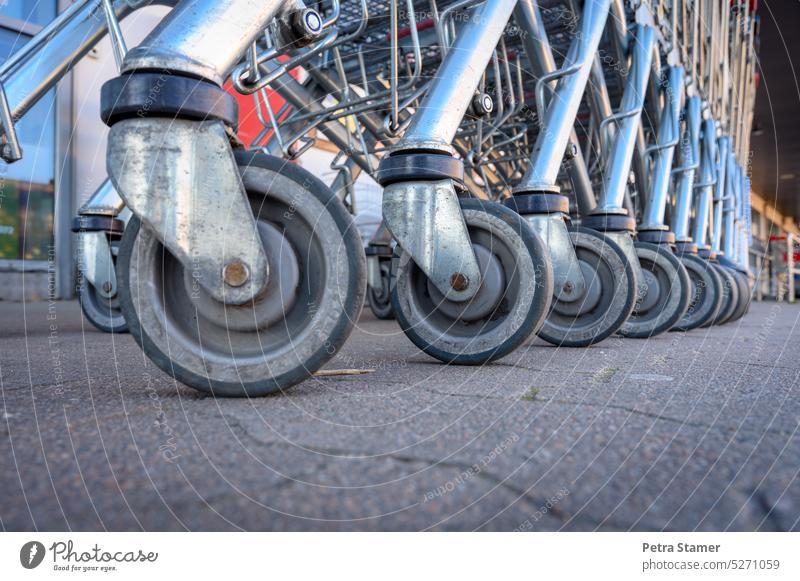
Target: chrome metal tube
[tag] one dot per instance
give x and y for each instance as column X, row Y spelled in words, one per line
column 540, row 55
column 689, row 158
column 203, row 38
column 729, row 206
column 744, row 249
column 708, row 178
column 668, row 138
column 548, row 151
column 436, row 121
column 619, row 158
column 723, row 145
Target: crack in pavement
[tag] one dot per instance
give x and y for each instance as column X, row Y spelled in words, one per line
column 632, row 410
column 484, row 474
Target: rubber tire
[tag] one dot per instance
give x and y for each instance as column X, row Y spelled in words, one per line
column 701, row 272
column 349, row 309
column 660, row 259
column 405, row 299
column 619, row 300
column 745, row 296
column 730, row 295
column 103, row 316
column 381, row 304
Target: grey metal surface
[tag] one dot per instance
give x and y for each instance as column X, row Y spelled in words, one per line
column 723, row 147
column 425, row 219
column 540, row 55
column 704, row 188
column 681, row 432
column 729, row 208
column 569, row 283
column 180, row 178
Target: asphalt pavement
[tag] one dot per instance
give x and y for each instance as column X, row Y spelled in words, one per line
column 695, row 431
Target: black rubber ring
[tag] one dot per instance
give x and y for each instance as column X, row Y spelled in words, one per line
column 656, row 236
column 378, row 250
column 538, row 203
column 417, row 166
column 609, row 222
column 91, row 223
column 166, row 95
column 686, row 247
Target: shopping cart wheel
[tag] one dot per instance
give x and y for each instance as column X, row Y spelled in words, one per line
column 380, row 300
column 667, row 292
column 730, row 295
column 102, row 312
column 510, row 305
column 313, row 297
column 745, row 295
column 705, row 295
column 607, row 301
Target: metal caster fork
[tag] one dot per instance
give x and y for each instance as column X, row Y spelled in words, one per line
column 101, row 307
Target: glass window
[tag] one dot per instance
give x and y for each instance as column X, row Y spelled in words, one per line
column 26, row 187
column 30, row 11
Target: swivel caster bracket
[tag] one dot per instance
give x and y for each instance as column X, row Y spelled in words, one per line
column 96, row 263
column 425, row 218
column 181, row 179
column 568, row 280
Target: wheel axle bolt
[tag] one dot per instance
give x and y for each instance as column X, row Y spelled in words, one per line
column 235, row 273
column 459, row 281
column 568, row 286
column 107, row 286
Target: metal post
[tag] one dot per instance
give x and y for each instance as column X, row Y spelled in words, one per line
column 719, row 194
column 689, row 158
column 436, row 121
column 664, row 151
column 729, row 207
column 618, row 164
column 203, row 38
column 558, row 119
column 708, row 179
column 540, row 55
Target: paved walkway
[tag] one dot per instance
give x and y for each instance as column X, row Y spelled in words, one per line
column 684, row 431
